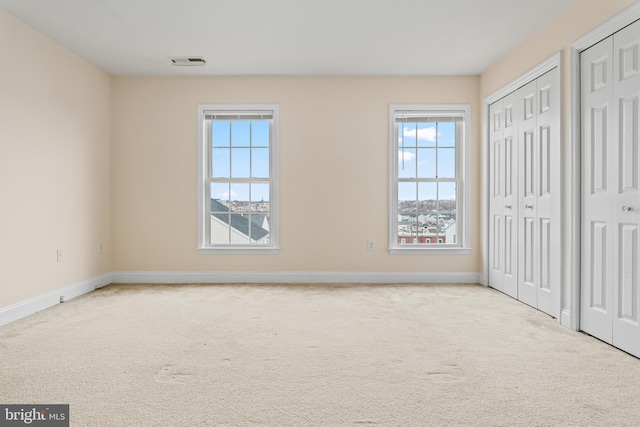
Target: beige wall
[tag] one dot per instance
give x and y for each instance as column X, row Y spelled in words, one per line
column 576, row 21
column 54, row 165
column 333, row 171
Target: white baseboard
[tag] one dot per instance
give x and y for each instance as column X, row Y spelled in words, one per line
column 25, row 308
column 290, row 277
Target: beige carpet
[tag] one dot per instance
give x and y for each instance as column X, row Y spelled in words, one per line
column 241, row 355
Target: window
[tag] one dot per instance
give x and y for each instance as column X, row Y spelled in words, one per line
column 428, row 165
column 237, row 166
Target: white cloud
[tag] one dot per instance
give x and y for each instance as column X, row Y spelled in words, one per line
column 428, row 134
column 225, row 195
column 406, row 156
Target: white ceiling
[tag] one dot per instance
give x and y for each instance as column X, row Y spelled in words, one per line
column 289, row 37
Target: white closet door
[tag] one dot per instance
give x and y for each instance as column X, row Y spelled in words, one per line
column 503, row 258
column 597, row 201
column 525, row 201
column 528, row 244
column 625, row 189
column 510, row 197
column 611, row 190
column 547, row 199
column 496, row 202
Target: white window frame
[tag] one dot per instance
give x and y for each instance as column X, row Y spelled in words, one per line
column 462, row 174
column 204, row 196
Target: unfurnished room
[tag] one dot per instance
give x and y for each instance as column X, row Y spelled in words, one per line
column 319, row 213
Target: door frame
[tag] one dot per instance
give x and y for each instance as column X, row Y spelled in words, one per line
column 571, row 314
column 554, row 61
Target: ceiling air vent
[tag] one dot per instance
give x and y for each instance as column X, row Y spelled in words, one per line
column 187, row 61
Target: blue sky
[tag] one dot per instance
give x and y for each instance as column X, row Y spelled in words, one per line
column 417, row 158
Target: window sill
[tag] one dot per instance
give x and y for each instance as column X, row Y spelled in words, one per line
column 430, row 251
column 238, row 251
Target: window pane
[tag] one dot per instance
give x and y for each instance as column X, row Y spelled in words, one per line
column 407, row 222
column 240, row 162
column 428, row 197
column 427, row 212
column 259, row 232
column 447, row 199
column 220, row 231
column 240, row 133
column 448, row 213
column 239, row 229
column 220, row 163
column 427, row 134
column 219, row 197
column 407, row 197
column 446, row 163
column 267, row 226
column 260, row 133
column 260, row 197
column 260, row 163
column 426, row 162
column 219, row 217
column 408, row 135
column 239, row 197
column 446, row 134
column 407, row 229
column 407, row 163
column 220, row 133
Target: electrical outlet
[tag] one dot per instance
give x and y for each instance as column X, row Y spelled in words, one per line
column 60, row 255
column 371, row 245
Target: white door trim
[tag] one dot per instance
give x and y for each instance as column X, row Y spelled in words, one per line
column 554, row 61
column 545, row 66
column 571, row 317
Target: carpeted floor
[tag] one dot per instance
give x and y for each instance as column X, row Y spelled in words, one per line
column 264, row 355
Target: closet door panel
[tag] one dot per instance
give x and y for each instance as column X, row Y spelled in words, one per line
column 528, row 244
column 510, row 196
column 496, row 179
column 625, row 189
column 547, row 196
column 597, row 224
column 503, row 184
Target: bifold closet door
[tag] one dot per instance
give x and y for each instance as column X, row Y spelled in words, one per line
column 528, row 227
column 539, row 199
column 597, row 200
column 626, row 208
column 610, row 296
column 504, row 197
column 524, row 183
